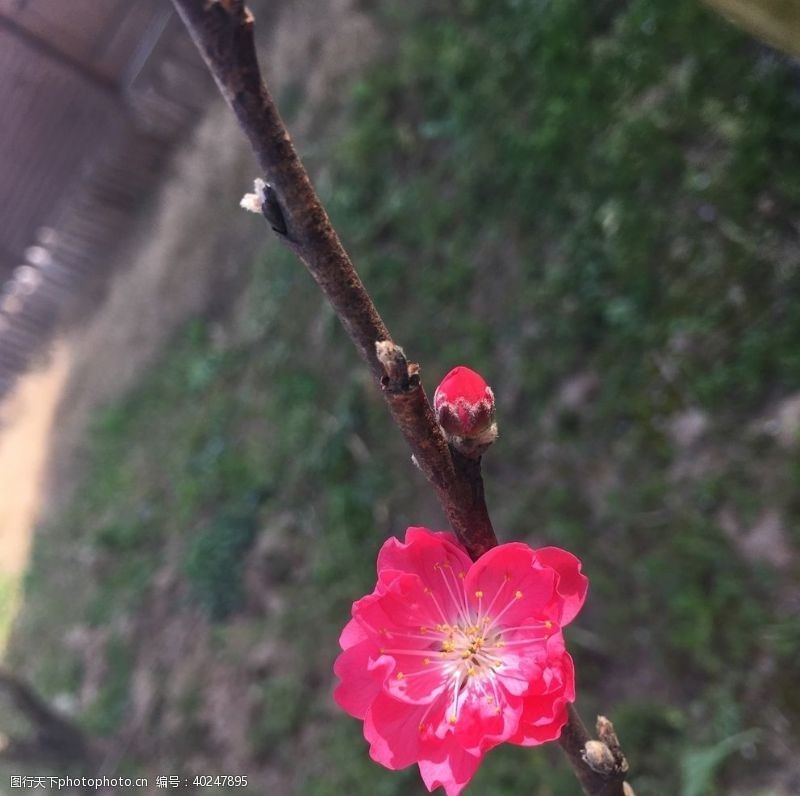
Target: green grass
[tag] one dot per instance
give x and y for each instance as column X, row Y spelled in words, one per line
column 111, row 704
column 536, row 190
column 214, row 560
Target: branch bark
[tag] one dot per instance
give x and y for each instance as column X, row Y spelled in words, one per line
column 55, row 736
column 223, row 32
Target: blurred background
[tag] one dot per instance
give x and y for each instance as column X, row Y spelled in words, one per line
column 593, row 204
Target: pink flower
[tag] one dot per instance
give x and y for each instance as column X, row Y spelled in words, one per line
column 464, row 404
column 448, row 658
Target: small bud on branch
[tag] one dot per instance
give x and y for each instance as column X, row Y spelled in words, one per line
column 264, row 200
column 464, row 406
column 598, row 757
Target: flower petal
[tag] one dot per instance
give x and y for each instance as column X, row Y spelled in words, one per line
column 402, row 606
column 449, row 766
column 552, row 716
column 361, row 678
column 392, row 729
column 483, row 724
column 522, row 668
column 352, row 634
column 544, row 712
column 423, row 553
column 409, row 605
column 571, row 585
column 505, row 579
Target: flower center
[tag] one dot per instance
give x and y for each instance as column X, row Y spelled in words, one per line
column 473, row 641
column 470, row 661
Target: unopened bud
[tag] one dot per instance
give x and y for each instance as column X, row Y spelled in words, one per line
column 254, row 202
column 464, row 406
column 598, row 757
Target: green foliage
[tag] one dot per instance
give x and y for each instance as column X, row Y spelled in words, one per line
column 109, row 709
column 214, row 560
column 279, row 712
column 342, row 765
column 577, row 130
column 699, row 767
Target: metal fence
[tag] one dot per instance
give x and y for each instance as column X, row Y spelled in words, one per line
column 94, row 96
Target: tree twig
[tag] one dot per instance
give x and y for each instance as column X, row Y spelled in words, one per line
column 223, row 32
column 55, row 736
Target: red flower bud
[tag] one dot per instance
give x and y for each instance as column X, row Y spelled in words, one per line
column 464, row 406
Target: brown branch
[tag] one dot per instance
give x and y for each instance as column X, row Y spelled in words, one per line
column 55, row 736
column 223, row 32
column 600, row 766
